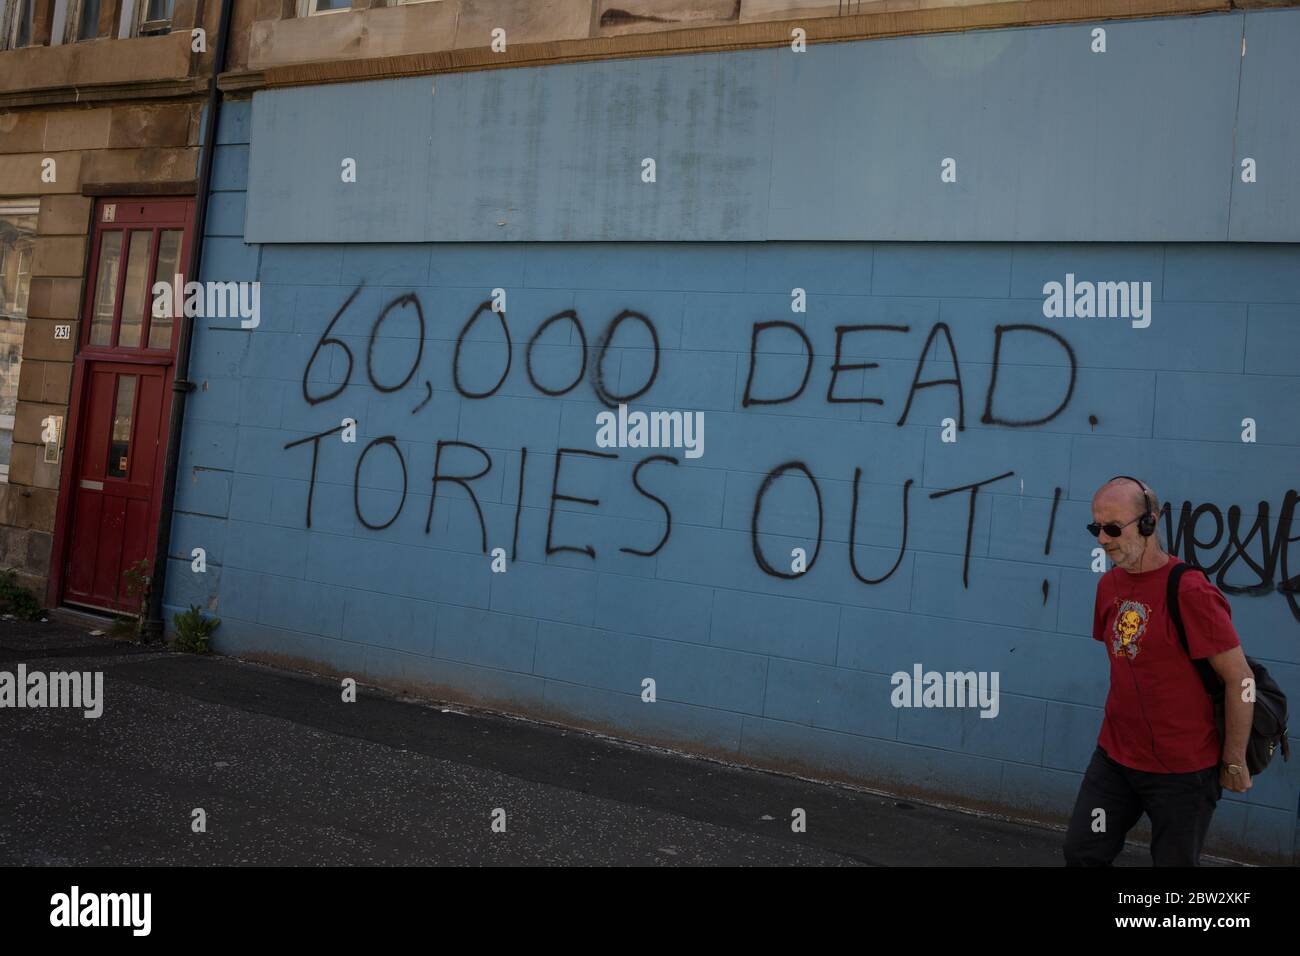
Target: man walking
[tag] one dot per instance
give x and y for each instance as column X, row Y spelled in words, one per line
column 1159, row 750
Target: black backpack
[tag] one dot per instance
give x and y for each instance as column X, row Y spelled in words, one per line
column 1268, row 730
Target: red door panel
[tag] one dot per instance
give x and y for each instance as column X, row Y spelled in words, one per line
column 120, row 437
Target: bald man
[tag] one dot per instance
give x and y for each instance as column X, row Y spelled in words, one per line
column 1159, row 751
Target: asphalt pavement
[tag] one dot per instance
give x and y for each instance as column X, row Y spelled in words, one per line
column 286, row 773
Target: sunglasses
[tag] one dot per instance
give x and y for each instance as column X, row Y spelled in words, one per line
column 1111, row 528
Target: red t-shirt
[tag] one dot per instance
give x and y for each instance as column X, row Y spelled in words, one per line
column 1159, row 717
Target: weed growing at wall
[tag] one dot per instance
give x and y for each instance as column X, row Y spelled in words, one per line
column 193, row 630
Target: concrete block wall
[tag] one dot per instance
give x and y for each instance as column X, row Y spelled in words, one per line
column 389, row 585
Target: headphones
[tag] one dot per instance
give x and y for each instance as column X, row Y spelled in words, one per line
column 1146, row 523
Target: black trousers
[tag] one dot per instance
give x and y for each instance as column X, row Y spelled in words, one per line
column 1180, row 806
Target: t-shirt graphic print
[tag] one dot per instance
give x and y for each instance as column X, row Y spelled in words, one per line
column 1130, row 624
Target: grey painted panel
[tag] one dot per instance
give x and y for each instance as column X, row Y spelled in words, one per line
column 1051, row 140
column 571, row 147
column 1268, row 130
column 301, row 137
column 843, row 142
column 530, row 154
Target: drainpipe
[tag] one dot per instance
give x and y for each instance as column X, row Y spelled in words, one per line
column 182, row 386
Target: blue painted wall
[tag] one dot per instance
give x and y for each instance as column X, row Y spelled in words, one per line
column 792, row 672
column 1052, row 141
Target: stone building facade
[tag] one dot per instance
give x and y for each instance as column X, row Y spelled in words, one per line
column 93, row 110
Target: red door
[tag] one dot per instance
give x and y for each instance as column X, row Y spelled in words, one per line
column 120, row 442
column 121, row 401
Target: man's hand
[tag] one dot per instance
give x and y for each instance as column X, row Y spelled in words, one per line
column 1238, row 782
column 1238, row 712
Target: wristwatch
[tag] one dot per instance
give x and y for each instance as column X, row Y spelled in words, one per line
column 1234, row 768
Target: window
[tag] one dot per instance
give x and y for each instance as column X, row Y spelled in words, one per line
column 125, row 261
column 155, row 17
column 110, row 259
column 307, row 8
column 119, row 446
column 15, row 23
column 169, row 264
column 85, row 22
column 17, row 235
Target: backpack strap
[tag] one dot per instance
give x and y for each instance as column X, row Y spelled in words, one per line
column 1213, row 684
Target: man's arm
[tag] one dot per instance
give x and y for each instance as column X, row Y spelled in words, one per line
column 1238, row 714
